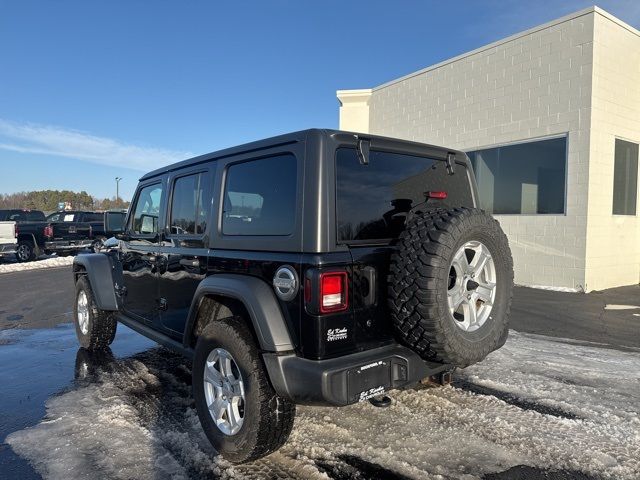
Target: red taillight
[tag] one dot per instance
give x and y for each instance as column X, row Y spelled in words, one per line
column 439, row 195
column 48, row 231
column 333, row 292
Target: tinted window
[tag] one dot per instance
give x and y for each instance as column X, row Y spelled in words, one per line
column 373, row 200
column 625, row 178
column 17, row 217
column 35, row 216
column 93, row 217
column 62, row 217
column 260, row 197
column 147, row 210
column 187, row 214
column 527, row 178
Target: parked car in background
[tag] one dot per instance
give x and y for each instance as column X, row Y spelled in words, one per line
column 8, row 238
column 21, row 215
column 94, row 219
column 36, row 234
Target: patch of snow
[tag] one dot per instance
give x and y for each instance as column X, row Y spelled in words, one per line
column 49, row 262
column 134, row 418
column 555, row 289
column 621, row 307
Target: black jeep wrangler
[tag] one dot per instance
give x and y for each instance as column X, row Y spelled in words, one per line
column 319, row 268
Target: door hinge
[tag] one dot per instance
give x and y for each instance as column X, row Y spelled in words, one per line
column 451, row 163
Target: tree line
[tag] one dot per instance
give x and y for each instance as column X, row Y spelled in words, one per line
column 47, row 200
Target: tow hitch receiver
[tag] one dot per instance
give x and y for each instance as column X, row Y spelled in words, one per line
column 442, row 378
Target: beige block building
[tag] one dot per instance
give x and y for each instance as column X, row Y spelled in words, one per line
column 550, row 118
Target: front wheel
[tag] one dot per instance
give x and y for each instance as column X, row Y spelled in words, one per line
column 241, row 414
column 95, row 328
column 97, row 245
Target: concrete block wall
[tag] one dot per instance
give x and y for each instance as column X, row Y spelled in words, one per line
column 613, row 241
column 531, row 85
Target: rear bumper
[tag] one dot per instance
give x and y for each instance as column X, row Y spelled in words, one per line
column 67, row 245
column 347, row 379
column 7, row 249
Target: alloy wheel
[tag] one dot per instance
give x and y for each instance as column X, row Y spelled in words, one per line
column 83, row 312
column 472, row 286
column 224, row 391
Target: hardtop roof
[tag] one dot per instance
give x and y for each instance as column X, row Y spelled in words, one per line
column 287, row 139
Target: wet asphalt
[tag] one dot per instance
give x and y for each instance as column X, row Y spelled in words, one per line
column 35, row 308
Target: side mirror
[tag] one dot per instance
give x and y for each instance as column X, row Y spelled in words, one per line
column 114, row 222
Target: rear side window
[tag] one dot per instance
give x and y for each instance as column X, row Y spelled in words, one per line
column 147, row 210
column 93, row 217
column 187, row 215
column 372, row 201
column 35, row 216
column 17, row 217
column 62, row 217
column 260, row 197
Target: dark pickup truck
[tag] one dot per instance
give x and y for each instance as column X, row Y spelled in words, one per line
column 60, row 232
column 95, row 220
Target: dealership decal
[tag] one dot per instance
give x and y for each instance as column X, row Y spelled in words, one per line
column 372, row 392
column 334, row 334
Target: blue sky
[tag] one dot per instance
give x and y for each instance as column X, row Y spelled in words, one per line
column 94, row 90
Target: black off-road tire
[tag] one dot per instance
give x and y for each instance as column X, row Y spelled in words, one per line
column 268, row 418
column 102, row 324
column 26, row 251
column 419, row 280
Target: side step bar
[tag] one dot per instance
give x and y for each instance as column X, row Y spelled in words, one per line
column 154, row 335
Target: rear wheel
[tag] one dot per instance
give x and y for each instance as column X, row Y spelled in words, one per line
column 95, row 328
column 25, row 251
column 241, row 414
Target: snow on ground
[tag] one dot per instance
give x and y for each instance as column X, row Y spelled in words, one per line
column 621, row 307
column 544, row 402
column 48, row 262
column 555, row 289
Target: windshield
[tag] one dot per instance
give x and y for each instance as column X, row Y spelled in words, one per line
column 373, row 200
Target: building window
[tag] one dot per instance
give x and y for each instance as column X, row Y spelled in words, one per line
column 260, row 197
column 625, row 178
column 526, row 178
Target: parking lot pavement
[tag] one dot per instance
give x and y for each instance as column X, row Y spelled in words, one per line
column 542, row 407
column 36, row 298
column 594, row 317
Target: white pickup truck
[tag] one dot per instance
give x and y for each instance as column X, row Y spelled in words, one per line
column 8, row 238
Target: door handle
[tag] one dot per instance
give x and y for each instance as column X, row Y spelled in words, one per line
column 185, row 262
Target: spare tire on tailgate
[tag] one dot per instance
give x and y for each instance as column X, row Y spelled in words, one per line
column 450, row 285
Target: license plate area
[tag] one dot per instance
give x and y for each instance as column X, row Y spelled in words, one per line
column 368, row 380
